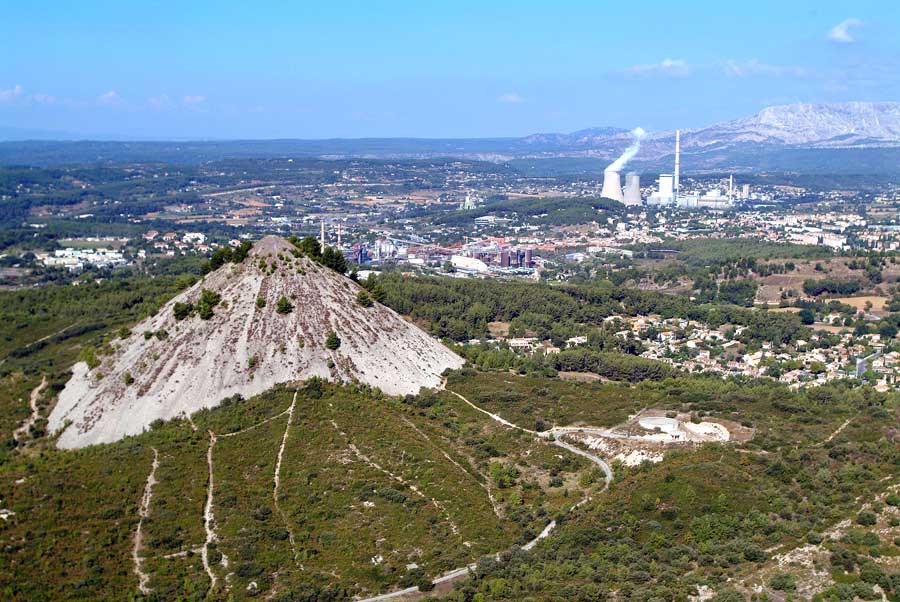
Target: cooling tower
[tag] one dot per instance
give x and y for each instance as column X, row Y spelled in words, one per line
column 612, row 186
column 632, row 189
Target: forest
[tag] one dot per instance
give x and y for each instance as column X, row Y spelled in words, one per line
column 460, row 309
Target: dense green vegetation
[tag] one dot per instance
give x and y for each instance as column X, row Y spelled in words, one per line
column 709, row 514
column 347, row 496
column 706, row 251
column 378, row 493
column 43, row 331
column 541, row 211
column 828, row 285
column 460, row 309
column 329, row 257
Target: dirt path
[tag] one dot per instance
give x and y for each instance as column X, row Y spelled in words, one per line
column 35, row 411
column 277, row 477
column 259, row 424
column 462, row 572
column 494, row 417
column 837, row 431
column 144, row 512
column 209, row 517
column 440, row 506
column 556, row 434
column 484, row 485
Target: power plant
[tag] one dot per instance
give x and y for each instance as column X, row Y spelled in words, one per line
column 612, row 180
column 677, row 162
column 612, row 186
column 632, row 189
column 670, row 193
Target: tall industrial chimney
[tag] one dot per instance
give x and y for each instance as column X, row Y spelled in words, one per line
column 677, row 161
column 632, row 189
column 731, row 187
column 322, row 239
column 612, row 186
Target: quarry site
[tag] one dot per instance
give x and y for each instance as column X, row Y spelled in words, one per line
column 647, row 435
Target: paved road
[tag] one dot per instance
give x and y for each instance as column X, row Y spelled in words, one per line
column 606, row 468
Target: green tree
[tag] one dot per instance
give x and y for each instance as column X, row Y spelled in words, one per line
column 182, row 310
column 208, row 300
column 364, row 299
column 334, row 259
column 332, row 341
column 310, row 246
column 806, row 316
column 284, row 306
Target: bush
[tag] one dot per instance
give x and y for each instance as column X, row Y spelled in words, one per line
column 364, row 299
column 208, row 300
column 205, row 312
column 728, row 595
column 260, row 302
column 284, row 306
column 332, row 341
column 784, row 582
column 866, row 518
column 182, row 310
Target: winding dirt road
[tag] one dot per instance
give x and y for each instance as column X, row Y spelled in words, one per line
column 35, row 411
column 554, row 437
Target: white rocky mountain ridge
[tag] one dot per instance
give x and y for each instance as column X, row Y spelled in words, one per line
column 246, row 348
column 839, row 125
column 831, row 125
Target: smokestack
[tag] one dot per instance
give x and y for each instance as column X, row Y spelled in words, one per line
column 730, row 187
column 612, row 186
column 322, row 237
column 677, row 161
column 632, row 189
column 339, row 236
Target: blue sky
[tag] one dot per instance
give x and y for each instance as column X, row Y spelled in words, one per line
column 321, row 69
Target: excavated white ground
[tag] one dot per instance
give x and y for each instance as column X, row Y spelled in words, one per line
column 204, row 361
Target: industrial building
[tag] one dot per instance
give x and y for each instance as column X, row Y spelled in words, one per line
column 632, row 189
column 612, row 186
column 669, row 191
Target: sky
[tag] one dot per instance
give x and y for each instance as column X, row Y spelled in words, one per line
column 424, row 68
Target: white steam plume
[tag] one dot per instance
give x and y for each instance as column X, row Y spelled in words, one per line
column 630, row 152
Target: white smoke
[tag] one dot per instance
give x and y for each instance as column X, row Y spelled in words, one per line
column 630, row 152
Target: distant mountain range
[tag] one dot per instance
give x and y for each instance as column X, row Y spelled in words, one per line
column 861, row 136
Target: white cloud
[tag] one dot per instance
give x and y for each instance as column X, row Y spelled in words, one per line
column 753, row 67
column 511, row 98
column 17, row 93
column 159, row 102
column 193, row 100
column 43, row 99
column 668, row 67
column 110, row 98
column 841, row 32
column 13, row 93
